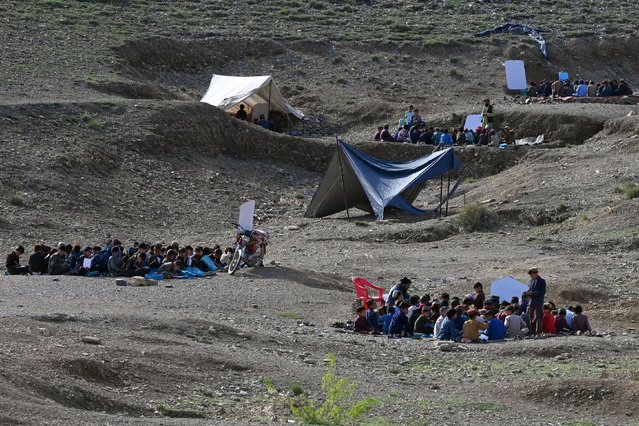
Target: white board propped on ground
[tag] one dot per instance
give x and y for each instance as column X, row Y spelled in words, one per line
column 507, row 288
column 516, row 75
column 473, row 121
column 246, row 215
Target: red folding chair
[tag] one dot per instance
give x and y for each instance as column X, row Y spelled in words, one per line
column 362, row 288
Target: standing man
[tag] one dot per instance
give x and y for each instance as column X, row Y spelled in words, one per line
column 409, row 115
column 488, row 115
column 399, row 292
column 536, row 292
column 241, row 113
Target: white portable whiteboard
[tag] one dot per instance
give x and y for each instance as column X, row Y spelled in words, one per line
column 516, row 75
column 246, row 215
column 473, row 121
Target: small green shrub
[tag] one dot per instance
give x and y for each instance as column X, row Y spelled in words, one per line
column 16, row 200
column 361, row 223
column 453, row 60
column 299, row 196
column 291, row 315
column 297, row 389
column 90, row 121
column 337, row 406
column 631, row 191
column 474, row 217
column 469, row 180
column 270, row 387
column 561, row 207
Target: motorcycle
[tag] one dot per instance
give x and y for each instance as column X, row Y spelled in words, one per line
column 250, row 248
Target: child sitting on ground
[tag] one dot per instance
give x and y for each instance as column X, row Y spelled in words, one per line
column 515, row 326
column 387, row 318
column 438, row 324
column 361, row 325
column 448, row 330
column 399, row 324
column 472, row 327
column 580, row 321
column 561, row 324
column 225, row 259
column 548, row 320
column 424, row 325
column 496, row 329
column 371, row 315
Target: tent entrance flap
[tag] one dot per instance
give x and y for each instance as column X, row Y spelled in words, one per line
column 372, row 184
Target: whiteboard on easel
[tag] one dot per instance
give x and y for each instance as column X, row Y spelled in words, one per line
column 516, row 75
column 473, row 121
column 246, row 215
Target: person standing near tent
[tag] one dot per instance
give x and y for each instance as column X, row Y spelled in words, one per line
column 241, row 113
column 408, row 116
column 536, row 293
column 487, row 115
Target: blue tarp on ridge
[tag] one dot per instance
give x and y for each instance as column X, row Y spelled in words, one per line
column 372, row 184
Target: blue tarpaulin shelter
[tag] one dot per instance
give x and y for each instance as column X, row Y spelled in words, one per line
column 356, row 179
column 533, row 33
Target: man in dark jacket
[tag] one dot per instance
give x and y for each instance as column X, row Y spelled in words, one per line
column 623, row 89
column 36, row 261
column 13, row 262
column 536, row 292
column 399, row 292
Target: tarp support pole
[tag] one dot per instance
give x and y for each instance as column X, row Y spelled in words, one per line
column 441, row 193
column 268, row 111
column 341, row 173
column 448, row 193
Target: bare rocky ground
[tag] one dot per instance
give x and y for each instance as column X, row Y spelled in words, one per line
column 101, row 138
column 200, row 353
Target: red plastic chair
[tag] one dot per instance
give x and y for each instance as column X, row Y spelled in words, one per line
column 362, row 291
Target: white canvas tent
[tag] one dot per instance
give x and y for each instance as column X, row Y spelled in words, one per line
column 258, row 93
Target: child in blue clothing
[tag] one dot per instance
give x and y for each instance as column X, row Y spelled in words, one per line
column 399, row 325
column 448, row 330
column 386, row 319
column 496, row 329
column 371, row 315
column 460, row 318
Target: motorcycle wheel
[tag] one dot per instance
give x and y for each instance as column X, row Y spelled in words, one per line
column 234, row 264
column 262, row 255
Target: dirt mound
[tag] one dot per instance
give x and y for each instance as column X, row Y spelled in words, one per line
column 82, row 398
column 578, row 294
column 178, row 54
column 426, row 235
column 93, row 371
column 305, row 277
column 615, row 396
column 135, row 90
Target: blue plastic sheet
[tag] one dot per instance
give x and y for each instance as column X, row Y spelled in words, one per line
column 374, row 184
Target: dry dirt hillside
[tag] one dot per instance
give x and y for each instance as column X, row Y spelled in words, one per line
column 102, row 137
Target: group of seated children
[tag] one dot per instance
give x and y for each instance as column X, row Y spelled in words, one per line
column 578, row 88
column 114, row 260
column 442, row 138
column 475, row 319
